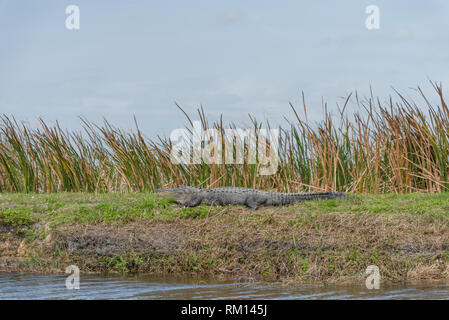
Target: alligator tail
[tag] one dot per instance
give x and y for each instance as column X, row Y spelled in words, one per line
column 319, row 195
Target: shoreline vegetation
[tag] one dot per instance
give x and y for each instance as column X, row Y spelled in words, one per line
column 330, row 241
column 395, row 146
column 85, row 198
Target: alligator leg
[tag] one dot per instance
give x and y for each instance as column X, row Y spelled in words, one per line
column 216, row 203
column 193, row 203
column 253, row 204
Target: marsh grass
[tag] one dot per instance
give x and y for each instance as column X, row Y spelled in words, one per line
column 392, row 147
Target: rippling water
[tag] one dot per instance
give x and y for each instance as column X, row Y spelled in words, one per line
column 26, row 286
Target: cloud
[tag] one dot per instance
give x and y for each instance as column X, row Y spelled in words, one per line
column 230, row 17
column 105, row 105
column 368, row 38
column 246, row 87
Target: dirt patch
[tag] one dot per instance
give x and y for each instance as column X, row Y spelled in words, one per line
column 107, row 240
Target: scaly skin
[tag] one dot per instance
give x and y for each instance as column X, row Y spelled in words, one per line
column 191, row 196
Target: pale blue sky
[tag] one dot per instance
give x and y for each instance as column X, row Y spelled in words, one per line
column 233, row 57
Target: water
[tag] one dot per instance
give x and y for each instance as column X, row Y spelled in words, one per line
column 28, row 286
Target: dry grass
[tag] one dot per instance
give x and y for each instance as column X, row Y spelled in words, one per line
column 397, row 146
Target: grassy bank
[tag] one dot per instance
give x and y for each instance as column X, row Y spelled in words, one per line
column 406, row 236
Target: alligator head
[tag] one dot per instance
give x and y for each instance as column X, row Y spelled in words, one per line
column 180, row 194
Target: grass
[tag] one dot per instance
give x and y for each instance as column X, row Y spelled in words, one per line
column 16, row 217
column 82, row 208
column 406, row 235
column 396, row 146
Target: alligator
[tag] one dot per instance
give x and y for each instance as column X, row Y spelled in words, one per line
column 189, row 196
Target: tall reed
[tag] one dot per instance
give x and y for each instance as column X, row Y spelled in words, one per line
column 397, row 146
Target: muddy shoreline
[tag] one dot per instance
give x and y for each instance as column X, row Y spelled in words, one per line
column 307, row 243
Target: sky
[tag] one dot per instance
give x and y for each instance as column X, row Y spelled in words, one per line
column 139, row 58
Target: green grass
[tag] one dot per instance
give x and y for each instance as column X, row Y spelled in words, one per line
column 82, row 208
column 16, row 217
